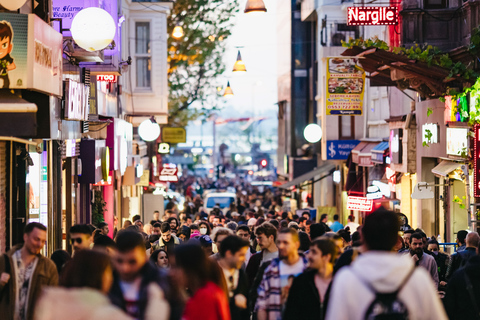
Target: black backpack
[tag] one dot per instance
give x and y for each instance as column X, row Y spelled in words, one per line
column 387, row 306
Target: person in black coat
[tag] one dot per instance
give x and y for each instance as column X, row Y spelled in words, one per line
column 308, row 296
column 232, row 254
column 457, row 301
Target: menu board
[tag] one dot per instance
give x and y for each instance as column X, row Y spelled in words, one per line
column 345, row 87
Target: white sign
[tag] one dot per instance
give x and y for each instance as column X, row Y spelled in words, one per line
column 457, row 141
column 433, row 128
column 76, row 100
column 359, row 203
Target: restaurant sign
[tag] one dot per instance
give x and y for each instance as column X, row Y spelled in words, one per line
column 359, row 204
column 345, row 87
column 372, row 16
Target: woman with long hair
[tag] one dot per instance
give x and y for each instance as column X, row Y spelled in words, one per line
column 160, row 259
column 85, row 283
column 206, row 285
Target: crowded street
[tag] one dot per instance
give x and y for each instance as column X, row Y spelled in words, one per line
column 239, row 160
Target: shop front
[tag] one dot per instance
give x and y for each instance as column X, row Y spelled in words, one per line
column 439, row 164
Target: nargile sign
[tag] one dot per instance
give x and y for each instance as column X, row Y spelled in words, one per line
column 373, row 16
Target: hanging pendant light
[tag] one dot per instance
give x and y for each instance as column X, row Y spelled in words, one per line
column 255, row 6
column 178, row 32
column 239, row 66
column 228, row 91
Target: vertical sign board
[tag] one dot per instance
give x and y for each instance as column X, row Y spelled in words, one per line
column 345, row 87
column 476, row 162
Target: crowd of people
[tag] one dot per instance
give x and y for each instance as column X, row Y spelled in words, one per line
column 253, row 261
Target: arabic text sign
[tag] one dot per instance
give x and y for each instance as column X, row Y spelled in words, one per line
column 359, row 204
column 345, row 87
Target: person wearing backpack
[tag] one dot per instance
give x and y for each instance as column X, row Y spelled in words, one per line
column 380, row 284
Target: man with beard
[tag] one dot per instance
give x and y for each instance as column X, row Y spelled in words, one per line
column 24, row 273
column 422, row 259
column 279, row 275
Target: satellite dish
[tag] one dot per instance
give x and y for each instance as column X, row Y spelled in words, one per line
column 422, row 191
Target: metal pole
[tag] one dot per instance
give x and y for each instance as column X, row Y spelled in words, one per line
column 472, row 219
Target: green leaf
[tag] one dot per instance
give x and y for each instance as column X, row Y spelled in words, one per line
column 429, row 112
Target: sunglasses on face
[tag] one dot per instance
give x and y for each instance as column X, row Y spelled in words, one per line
column 77, row 240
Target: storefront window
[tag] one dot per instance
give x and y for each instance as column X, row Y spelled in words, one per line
column 37, row 189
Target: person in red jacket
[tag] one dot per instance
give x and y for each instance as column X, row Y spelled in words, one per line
column 207, row 290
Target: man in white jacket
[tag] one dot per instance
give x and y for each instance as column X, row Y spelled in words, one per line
column 386, row 272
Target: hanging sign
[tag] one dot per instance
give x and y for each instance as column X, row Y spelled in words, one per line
column 359, row 204
column 169, row 174
column 345, row 87
column 372, row 16
column 476, row 162
column 174, row 135
column 107, row 77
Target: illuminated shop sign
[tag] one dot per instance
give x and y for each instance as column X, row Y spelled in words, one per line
column 169, row 173
column 107, row 77
column 359, row 204
column 476, row 162
column 373, row 16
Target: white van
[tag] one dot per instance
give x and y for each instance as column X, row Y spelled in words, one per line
column 223, row 199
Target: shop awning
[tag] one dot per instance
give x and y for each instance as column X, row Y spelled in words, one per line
column 325, row 169
column 362, row 154
column 378, row 152
column 14, row 111
column 445, row 167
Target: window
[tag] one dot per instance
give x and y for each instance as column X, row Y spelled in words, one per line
column 143, row 61
column 346, row 127
column 435, row 4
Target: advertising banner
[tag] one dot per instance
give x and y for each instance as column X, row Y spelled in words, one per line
column 345, row 87
column 30, row 54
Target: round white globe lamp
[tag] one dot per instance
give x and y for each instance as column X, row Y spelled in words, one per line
column 12, row 5
column 312, row 133
column 93, row 29
column 149, row 130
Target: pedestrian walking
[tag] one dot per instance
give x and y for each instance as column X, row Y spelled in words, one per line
column 359, row 290
column 336, row 225
column 278, row 276
column 308, row 297
column 462, row 296
column 24, row 272
column 160, row 258
column 81, row 237
column 85, row 284
column 167, row 241
column 133, row 275
column 232, row 255
column 420, row 258
column 460, row 258
column 266, row 235
column 193, row 269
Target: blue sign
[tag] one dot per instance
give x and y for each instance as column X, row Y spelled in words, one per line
column 340, row 149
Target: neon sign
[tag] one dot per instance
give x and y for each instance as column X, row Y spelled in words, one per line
column 374, row 16
column 107, row 77
column 476, row 162
column 359, row 203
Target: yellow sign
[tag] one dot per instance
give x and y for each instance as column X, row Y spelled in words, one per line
column 174, row 135
column 144, row 179
column 345, row 87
